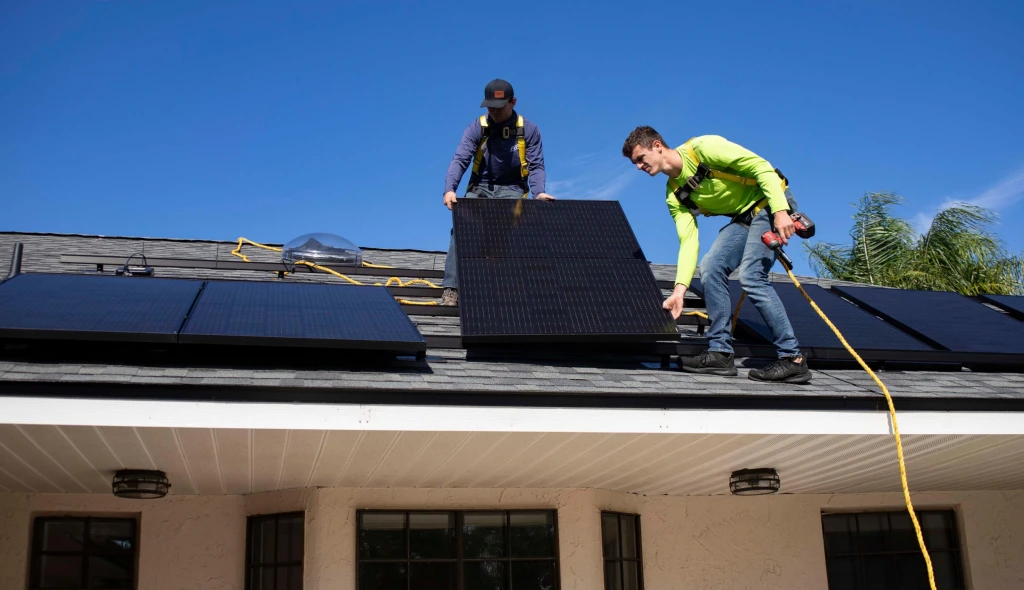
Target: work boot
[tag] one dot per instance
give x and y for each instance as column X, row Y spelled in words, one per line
column 709, row 362
column 450, row 297
column 790, row 369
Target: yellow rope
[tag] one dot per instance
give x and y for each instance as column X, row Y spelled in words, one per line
column 892, row 415
column 736, row 314
column 396, row 281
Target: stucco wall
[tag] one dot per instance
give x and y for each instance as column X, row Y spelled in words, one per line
column 192, row 542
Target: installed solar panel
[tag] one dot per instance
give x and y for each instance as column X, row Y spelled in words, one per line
column 863, row 331
column 946, row 320
column 94, row 307
column 562, row 271
column 1012, row 304
column 300, row 314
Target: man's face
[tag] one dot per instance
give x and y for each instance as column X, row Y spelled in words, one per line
column 500, row 115
column 650, row 160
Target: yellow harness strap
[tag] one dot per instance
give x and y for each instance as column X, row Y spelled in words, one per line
column 524, row 169
column 742, row 180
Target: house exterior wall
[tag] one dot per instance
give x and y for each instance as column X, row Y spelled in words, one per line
column 192, row 542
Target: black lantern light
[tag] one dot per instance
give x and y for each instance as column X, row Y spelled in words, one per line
column 754, row 482
column 140, row 483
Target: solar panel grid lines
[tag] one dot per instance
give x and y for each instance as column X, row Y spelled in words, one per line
column 94, row 307
column 300, row 314
column 948, row 320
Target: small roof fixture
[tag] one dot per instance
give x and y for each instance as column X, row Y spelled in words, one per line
column 140, row 483
column 323, row 249
column 754, row 482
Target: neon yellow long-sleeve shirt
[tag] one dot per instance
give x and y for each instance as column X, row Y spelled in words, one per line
column 718, row 196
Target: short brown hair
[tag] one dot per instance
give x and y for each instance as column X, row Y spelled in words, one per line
column 643, row 136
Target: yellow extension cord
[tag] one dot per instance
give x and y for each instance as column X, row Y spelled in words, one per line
column 888, row 398
column 391, row 281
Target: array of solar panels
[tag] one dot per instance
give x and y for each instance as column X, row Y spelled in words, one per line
column 118, row 309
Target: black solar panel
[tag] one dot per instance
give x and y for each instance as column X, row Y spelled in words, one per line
column 1012, row 304
column 94, row 307
column 562, row 271
column 300, row 314
column 947, row 320
column 862, row 330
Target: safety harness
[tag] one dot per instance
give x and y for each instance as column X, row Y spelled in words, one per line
column 682, row 193
column 506, row 132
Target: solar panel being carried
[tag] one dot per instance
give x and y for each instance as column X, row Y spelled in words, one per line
column 94, row 307
column 1012, row 304
column 301, row 315
column 560, row 271
column 946, row 320
column 872, row 338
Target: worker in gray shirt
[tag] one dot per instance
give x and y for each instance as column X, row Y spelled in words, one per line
column 508, row 162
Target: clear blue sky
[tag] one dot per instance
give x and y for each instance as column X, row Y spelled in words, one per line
column 270, row 120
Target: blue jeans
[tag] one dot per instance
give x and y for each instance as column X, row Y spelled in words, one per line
column 451, row 273
column 740, row 247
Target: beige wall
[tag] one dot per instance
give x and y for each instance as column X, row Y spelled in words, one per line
column 192, row 542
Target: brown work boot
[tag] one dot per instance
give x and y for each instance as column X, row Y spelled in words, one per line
column 450, row 297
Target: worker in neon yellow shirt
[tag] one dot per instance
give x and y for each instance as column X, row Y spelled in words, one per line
column 736, row 183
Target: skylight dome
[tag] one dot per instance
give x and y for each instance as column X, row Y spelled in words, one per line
column 324, row 249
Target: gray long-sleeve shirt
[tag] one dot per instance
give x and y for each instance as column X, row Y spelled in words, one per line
column 500, row 164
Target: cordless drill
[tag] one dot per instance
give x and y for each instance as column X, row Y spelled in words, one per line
column 804, row 229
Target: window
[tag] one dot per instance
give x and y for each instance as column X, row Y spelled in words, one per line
column 620, row 536
column 879, row 550
column 273, row 551
column 485, row 550
column 76, row 553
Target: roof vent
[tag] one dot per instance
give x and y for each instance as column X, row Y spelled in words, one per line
column 323, row 249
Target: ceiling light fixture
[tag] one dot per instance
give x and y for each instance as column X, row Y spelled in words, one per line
column 754, row 482
column 140, row 483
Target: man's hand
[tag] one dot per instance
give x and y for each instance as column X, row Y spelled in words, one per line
column 545, row 197
column 674, row 303
column 784, row 226
column 449, row 199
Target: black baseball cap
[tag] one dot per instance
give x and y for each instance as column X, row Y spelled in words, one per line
column 497, row 94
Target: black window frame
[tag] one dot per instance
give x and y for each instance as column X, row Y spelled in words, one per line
column 251, row 527
column 37, row 552
column 459, row 546
column 639, row 559
column 953, row 534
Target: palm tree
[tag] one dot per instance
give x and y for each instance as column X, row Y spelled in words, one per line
column 957, row 253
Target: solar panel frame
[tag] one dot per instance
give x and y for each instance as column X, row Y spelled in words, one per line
column 293, row 314
column 532, row 278
column 1011, row 304
column 971, row 330
column 99, row 308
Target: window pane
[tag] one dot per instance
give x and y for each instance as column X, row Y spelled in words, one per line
column 110, row 536
column 838, row 531
column 630, row 575
column 432, row 576
column 628, row 524
column 938, row 530
column 532, row 534
column 904, row 537
column 843, row 573
column 265, row 543
column 612, row 575
column 431, row 535
column 282, row 578
column 382, row 535
column 110, row 571
column 880, row 572
column 610, row 535
column 911, row 571
column 533, row 575
column 289, row 539
column 382, row 576
column 60, row 571
column 486, row 575
column 295, row 577
column 484, row 535
column 63, row 535
column 946, row 571
column 873, row 532
column 268, row 578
